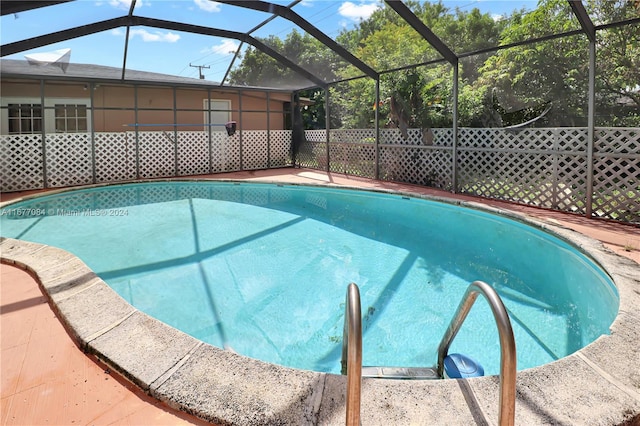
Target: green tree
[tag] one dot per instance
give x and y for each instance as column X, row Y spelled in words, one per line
column 425, row 92
column 520, row 80
column 259, row 69
column 617, row 64
column 506, row 87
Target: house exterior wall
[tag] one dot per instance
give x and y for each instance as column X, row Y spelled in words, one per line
column 115, row 107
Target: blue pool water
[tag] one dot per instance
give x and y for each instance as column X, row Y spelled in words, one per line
column 263, row 269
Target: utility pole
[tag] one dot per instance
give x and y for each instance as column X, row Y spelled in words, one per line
column 200, row 67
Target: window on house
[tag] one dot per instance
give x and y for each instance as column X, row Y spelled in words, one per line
column 57, row 115
column 24, row 118
column 70, row 118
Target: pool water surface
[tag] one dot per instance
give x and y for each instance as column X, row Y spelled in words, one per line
column 262, row 269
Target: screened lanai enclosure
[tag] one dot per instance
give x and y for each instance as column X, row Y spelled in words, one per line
column 537, row 103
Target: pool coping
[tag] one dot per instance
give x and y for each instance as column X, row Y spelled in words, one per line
column 599, row 384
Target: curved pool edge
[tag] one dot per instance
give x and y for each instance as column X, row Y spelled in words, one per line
column 600, row 384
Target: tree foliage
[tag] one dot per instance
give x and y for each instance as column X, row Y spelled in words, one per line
column 260, row 69
column 497, row 87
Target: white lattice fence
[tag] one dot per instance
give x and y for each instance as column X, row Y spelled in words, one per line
column 419, row 165
column 21, row 162
column 280, row 148
column 313, row 152
column 69, row 159
column 115, row 156
column 156, row 153
column 352, row 136
column 543, row 167
column 352, row 151
column 616, row 186
column 225, row 152
column 426, row 137
column 353, row 159
column 193, row 153
column 255, row 150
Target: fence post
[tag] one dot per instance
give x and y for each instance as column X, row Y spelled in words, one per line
column 268, row 131
column 175, row 133
column 591, row 127
column 209, row 127
column 454, row 169
column 137, row 137
column 327, row 120
column 240, row 95
column 376, row 172
column 43, row 134
column 93, row 134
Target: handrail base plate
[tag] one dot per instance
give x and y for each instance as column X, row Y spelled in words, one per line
column 400, row 373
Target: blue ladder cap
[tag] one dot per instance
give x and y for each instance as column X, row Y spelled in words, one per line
column 459, row 366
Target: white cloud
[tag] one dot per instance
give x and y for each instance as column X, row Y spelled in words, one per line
column 147, row 36
column 225, row 47
column 124, row 4
column 207, row 5
column 118, row 32
column 357, row 12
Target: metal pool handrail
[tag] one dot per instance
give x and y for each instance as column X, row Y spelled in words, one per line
column 507, row 411
column 352, row 353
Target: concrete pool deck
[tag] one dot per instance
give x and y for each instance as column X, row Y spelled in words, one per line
column 599, row 384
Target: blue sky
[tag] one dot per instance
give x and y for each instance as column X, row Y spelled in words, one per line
column 171, row 52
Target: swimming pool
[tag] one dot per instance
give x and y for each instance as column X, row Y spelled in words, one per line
column 268, row 265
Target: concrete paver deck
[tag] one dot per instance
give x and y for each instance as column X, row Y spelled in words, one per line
column 47, row 379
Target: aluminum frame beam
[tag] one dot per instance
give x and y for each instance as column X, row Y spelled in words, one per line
column 130, row 21
column 8, row 7
column 583, row 17
column 169, row 25
column 290, row 15
column 415, row 22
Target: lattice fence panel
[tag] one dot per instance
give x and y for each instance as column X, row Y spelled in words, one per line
column 255, row 149
column 69, row 159
column 352, row 136
column 394, row 137
column 570, row 186
column 193, row 153
column 544, row 167
column 419, row 165
column 315, row 135
column 225, row 152
column 157, row 153
column 115, row 157
column 540, row 139
column 353, row 159
column 616, row 186
column 571, row 138
column 617, row 140
column 280, row 148
column 21, row 162
column 426, row 137
column 521, row 177
column 312, row 153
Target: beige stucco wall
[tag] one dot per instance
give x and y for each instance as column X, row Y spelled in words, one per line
column 113, row 105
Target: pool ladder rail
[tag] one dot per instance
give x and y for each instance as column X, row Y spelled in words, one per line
column 352, row 352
